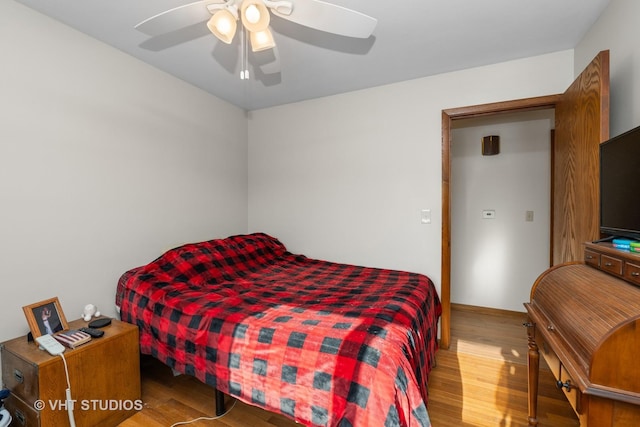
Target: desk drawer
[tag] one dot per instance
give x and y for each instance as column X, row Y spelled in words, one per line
column 632, row 272
column 573, row 394
column 549, row 356
column 610, row 264
column 592, row 258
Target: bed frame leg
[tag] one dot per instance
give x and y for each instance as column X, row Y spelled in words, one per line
column 219, row 403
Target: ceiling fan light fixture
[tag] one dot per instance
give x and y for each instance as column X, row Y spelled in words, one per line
column 262, row 40
column 255, row 15
column 252, row 14
column 223, row 25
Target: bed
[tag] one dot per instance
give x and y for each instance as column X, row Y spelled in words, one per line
column 323, row 343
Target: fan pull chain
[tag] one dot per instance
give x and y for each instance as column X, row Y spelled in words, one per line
column 244, row 72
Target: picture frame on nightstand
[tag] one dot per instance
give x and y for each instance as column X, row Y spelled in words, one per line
column 45, row 317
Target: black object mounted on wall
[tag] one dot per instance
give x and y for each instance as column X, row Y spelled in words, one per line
column 490, row 145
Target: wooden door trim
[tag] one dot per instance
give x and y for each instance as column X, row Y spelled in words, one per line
column 448, row 116
column 552, row 200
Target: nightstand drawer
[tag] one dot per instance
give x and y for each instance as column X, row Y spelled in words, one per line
column 23, row 414
column 20, row 376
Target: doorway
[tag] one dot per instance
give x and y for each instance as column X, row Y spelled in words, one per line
column 500, row 204
column 448, row 116
column 581, row 124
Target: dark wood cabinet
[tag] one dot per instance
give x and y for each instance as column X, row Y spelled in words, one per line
column 584, row 318
column 104, row 375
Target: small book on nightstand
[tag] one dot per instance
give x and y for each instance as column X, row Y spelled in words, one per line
column 72, row 338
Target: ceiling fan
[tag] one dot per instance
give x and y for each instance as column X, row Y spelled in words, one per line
column 254, row 16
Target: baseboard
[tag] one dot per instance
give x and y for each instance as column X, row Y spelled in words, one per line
column 485, row 310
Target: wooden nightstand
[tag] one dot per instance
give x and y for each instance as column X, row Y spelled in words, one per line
column 104, row 375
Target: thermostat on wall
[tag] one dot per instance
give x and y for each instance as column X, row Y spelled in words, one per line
column 488, row 214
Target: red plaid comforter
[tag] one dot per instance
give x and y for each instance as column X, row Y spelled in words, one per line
column 326, row 344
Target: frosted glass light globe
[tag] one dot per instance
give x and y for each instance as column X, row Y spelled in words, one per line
column 223, row 26
column 252, row 14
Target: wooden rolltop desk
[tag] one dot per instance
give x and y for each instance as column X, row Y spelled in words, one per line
column 584, row 318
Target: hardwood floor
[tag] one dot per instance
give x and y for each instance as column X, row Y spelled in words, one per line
column 480, row 381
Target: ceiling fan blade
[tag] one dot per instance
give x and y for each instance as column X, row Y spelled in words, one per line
column 177, row 18
column 283, row 7
column 330, row 18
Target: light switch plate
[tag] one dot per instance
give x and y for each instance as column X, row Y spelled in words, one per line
column 425, row 216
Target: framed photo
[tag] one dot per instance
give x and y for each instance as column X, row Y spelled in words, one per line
column 45, row 317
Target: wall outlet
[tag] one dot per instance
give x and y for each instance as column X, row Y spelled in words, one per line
column 529, row 216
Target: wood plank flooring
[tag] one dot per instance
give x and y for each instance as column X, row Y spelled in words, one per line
column 480, row 381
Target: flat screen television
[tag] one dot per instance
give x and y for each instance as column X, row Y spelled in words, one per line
column 620, row 186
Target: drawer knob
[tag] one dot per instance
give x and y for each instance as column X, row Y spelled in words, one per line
column 608, row 264
column 566, row 385
column 635, row 274
column 550, row 328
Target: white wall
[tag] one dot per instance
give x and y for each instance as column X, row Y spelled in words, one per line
column 344, row 177
column 618, row 30
column 495, row 261
column 98, row 147
column 104, row 163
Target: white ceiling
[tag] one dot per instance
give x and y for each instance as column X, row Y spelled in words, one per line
column 413, row 38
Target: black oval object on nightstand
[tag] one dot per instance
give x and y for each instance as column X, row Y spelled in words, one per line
column 100, row 323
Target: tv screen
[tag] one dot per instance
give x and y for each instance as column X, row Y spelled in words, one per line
column 620, row 185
